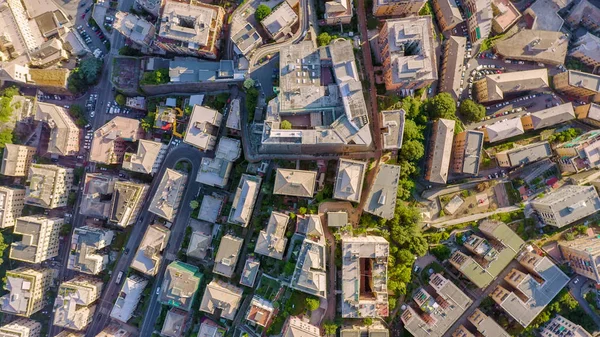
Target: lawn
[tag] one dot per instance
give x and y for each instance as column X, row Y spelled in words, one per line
column 268, row 288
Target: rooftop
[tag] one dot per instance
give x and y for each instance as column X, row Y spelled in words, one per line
column 134, row 28
column 545, row 14
column 569, row 203
column 486, row 325
column 126, row 202
column 193, row 70
column 349, row 179
column 453, row 64
column 296, row 327
column 147, row 258
column 535, row 45
column 11, row 165
column 438, row 160
column 147, row 159
column 64, row 134
column 73, row 308
column 504, row 129
column 244, row 36
column 584, row 80
column 174, row 324
column 271, row 241
column 280, row 20
column 108, row 144
column 337, row 219
column 95, row 200
column 200, row 240
column 527, row 154
column 298, row 183
column 48, row 185
column 129, row 297
column 227, row 255
column 188, row 23
column 223, row 296
column 165, row 201
column 39, row 238
column 85, row 243
column 260, row 311
column 309, row 275
column 179, row 286
column 393, row 121
column 202, row 127
column 562, row 327
column 472, row 153
column 211, row 207
column 250, row 271
column 383, row 192
column 243, row 202
column 495, row 87
column 552, row 116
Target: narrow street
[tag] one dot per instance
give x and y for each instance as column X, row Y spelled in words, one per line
column 578, row 291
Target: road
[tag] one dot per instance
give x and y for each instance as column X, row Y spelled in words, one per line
column 578, row 291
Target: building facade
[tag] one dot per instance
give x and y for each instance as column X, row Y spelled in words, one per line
column 27, row 289
column 11, row 205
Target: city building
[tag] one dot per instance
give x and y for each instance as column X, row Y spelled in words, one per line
column 338, row 12
column 397, row 7
column 407, row 52
column 147, row 159
column 486, row 326
column 548, row 117
column 11, row 205
column 586, row 49
column 166, row 200
column 260, row 311
column 16, row 160
column 589, row 114
column 74, row 308
column 151, row 6
column 22, row 327
column 497, row 87
column 505, row 15
column 192, row 28
column 244, row 199
column 462, row 331
column 114, row 329
column 175, row 323
column 202, row 128
column 490, row 257
column 110, row 141
column 221, row 296
column 129, row 297
column 227, row 255
column 438, row 159
column 233, row 118
column 364, row 277
column 547, row 47
column 209, row 328
column 583, row 256
column 127, row 201
column 337, row 219
column 137, row 102
column 278, row 24
column 27, row 288
column 393, row 124
column 523, row 155
column 577, row 83
column 435, row 313
column 309, row 275
column 86, row 241
column 328, row 114
column 211, row 207
column 271, row 241
column 250, row 271
column 467, row 150
column 166, row 116
column 215, row 171
column 202, row 73
column 299, row 183
column 586, row 14
column 543, row 15
column 453, row 64
column 147, row 259
column 562, row 327
column 479, row 19
column 95, row 197
column 447, row 14
column 134, row 28
column 64, row 134
column 180, row 285
column 39, row 238
column 382, row 195
column 503, row 129
column 580, row 153
column 200, row 240
column 349, row 179
column 377, row 329
column 49, row 186
column 296, row 327
column 532, row 294
column 244, row 36
column 567, row 205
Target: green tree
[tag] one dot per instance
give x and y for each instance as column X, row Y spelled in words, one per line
column 285, row 125
column 330, row 328
column 248, row 83
column 412, row 131
column 302, row 210
column 312, row 304
column 368, row 321
column 442, row 106
column 442, row 252
column 323, row 39
column 84, row 76
column 262, row 11
column 288, row 268
column 471, row 111
column 10, row 92
column 120, row 99
column 148, row 122
column 413, row 150
column 6, row 137
column 194, row 204
column 159, row 76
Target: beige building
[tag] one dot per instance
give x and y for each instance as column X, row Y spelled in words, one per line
column 114, row 329
column 392, row 124
column 74, row 308
column 279, row 23
column 180, row 285
column 27, row 289
column 566, row 205
column 11, row 205
column 438, row 162
column 543, row 46
column 486, row 325
column 587, row 49
column 22, row 327
column 64, row 134
column 126, row 203
column 129, row 297
column 227, row 255
column 223, row 296
column 395, row 8
column 147, row 258
column 134, row 28
column 479, row 22
column 382, row 195
column 147, row 159
column 583, row 256
column 85, row 244
column 310, row 273
column 202, row 128
column 297, row 183
column 174, row 325
column 110, row 141
column 338, row 12
column 244, row 199
column 447, row 14
column 39, row 238
column 577, row 83
column 190, row 28
column 165, row 202
column 407, row 53
column 495, row 87
column 562, row 327
column 453, row 65
column 349, row 179
column 524, row 155
column 49, row 186
column 467, row 149
column 271, row 241
column 16, row 160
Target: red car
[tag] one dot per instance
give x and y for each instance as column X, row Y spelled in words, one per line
column 83, row 15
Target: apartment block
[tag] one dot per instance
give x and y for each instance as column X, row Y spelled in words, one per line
column 587, row 49
column 486, row 325
column 397, row 8
column 382, row 195
column 467, row 149
column 74, row 308
column 447, row 14
column 297, row 327
column 260, row 311
column 114, row 329
column 577, row 83
column 111, row 140
column 49, row 186
column 39, row 238
column 22, row 327
column 338, row 12
column 200, row 240
column 548, row 117
column 580, row 153
column 174, row 324
column 26, row 288
column 84, row 255
column 147, row 158
column 11, row 205
column 250, row 271
column 271, row 241
column 227, row 255
column 438, row 160
column 298, row 183
column 134, row 28
column 479, row 19
column 524, row 155
column 244, row 199
column 278, row 24
column 64, row 134
column 531, row 294
column 129, row 297
column 126, row 203
column 503, row 129
column 548, row 47
column 562, row 327
column 583, row 256
column 166, row 200
column 567, row 205
column 364, row 277
column 393, row 129
column 147, row 259
column 216, row 171
column 244, row 37
column 453, row 64
column 180, row 285
column 309, row 275
column 498, row 86
column 202, row 129
column 543, row 15
column 586, row 14
column 222, row 296
column 190, row 28
column 406, row 47
column 436, row 313
column 16, row 160
column 349, row 179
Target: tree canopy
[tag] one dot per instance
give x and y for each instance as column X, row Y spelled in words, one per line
column 286, row 125
column 120, row 99
column 412, row 150
column 312, row 304
column 262, row 11
column 324, row 39
column 442, row 106
column 158, row 76
column 248, row 83
column 471, row 111
column 84, row 76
